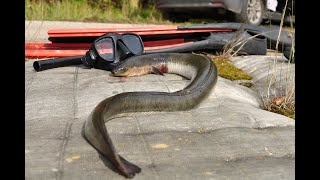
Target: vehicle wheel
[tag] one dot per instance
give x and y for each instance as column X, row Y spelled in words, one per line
column 252, row 12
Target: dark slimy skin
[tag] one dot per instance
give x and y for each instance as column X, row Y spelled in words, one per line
column 200, row 69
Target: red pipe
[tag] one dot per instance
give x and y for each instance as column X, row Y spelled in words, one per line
column 85, row 34
column 49, row 50
column 52, row 50
column 38, row 46
column 116, row 30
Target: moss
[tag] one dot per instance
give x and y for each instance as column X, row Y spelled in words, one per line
column 228, row 71
column 246, row 84
column 284, row 111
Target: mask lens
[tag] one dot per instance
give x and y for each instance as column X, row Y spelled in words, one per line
column 133, row 43
column 105, row 48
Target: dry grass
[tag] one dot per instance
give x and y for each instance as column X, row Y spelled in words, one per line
column 280, row 101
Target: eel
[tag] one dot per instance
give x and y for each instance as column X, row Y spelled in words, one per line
column 200, row 69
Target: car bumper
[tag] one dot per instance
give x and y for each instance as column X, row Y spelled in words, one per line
column 189, row 4
column 181, row 5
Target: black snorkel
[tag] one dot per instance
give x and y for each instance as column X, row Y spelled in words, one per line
column 56, row 62
column 105, row 53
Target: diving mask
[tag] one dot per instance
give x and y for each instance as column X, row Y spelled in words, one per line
column 105, row 53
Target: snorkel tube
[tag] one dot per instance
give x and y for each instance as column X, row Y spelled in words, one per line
column 56, row 62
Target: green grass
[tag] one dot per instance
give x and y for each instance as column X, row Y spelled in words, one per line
column 80, row 10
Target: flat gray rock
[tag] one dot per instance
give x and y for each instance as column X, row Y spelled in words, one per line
column 272, row 72
column 228, row 136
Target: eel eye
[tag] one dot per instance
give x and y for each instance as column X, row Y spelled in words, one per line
column 119, row 70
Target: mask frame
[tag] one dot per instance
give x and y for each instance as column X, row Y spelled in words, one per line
column 108, row 50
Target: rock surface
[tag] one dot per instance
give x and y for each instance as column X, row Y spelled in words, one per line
column 228, row 136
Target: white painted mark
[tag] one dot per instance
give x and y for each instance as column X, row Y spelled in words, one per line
column 270, row 153
column 54, row 169
column 160, row 146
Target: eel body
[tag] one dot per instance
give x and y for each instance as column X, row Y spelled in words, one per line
column 199, row 69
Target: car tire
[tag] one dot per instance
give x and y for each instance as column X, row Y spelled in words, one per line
column 252, row 12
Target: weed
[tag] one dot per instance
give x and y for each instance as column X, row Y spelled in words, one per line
column 281, row 101
column 125, row 11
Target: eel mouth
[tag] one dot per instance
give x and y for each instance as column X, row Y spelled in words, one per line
column 131, row 71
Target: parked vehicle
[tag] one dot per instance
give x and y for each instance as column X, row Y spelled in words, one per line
column 247, row 11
